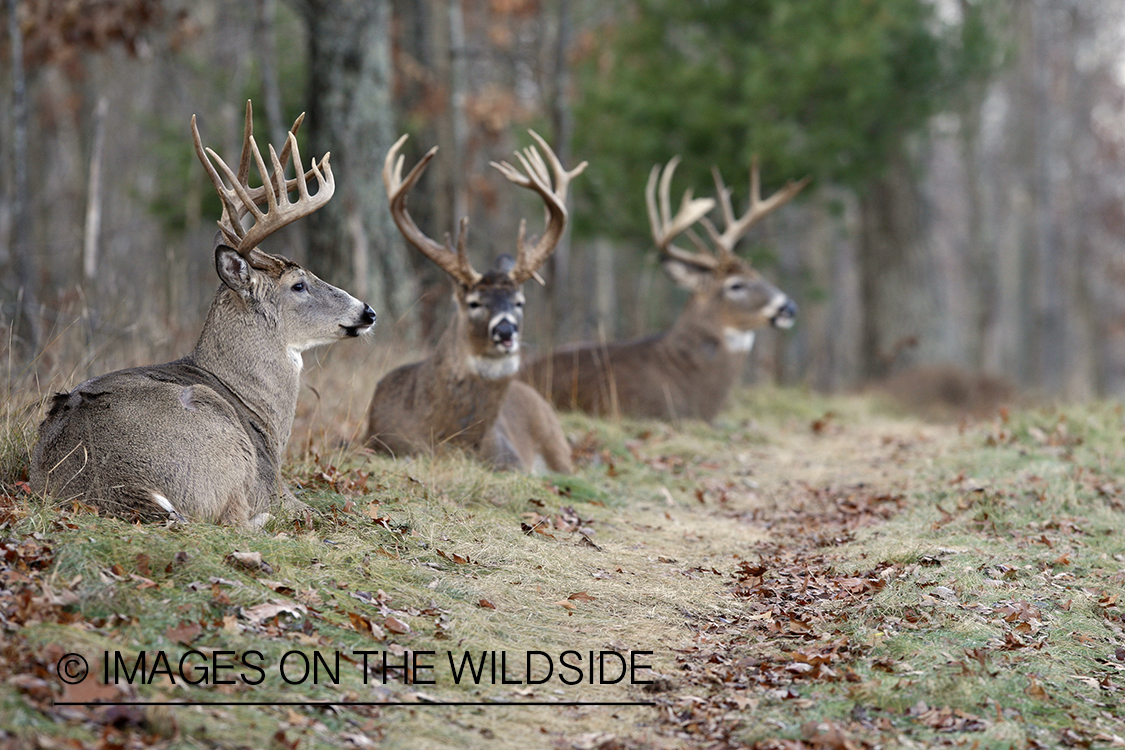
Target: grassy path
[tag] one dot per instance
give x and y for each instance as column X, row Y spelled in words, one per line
column 808, row 573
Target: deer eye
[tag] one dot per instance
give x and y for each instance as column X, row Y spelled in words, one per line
column 474, row 305
column 299, row 286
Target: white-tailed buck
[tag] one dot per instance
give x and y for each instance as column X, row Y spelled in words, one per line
column 202, row 438
column 689, row 370
column 464, row 394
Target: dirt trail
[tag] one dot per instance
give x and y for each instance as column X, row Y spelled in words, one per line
column 778, row 500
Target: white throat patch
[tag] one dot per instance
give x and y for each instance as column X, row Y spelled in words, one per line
column 738, row 341
column 296, row 358
column 495, row 368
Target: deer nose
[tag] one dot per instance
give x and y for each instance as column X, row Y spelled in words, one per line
column 785, row 314
column 504, row 331
column 367, row 316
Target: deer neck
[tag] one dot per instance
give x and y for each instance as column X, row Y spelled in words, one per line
column 699, row 336
column 245, row 350
column 464, row 400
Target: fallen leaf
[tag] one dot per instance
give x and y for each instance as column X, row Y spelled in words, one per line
column 582, row 596
column 269, row 610
column 89, row 691
column 184, row 633
column 396, row 626
column 1035, row 690
column 486, row 604
column 249, row 561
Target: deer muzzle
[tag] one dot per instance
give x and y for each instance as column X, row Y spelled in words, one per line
column 366, row 320
column 786, row 314
column 505, row 333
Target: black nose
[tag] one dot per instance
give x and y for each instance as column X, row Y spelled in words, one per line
column 505, row 330
column 367, row 316
column 788, row 310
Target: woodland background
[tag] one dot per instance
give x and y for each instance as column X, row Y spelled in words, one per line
column 967, row 162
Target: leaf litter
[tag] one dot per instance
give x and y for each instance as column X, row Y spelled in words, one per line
column 799, row 619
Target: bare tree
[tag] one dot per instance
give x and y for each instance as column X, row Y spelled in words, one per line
column 351, row 114
column 23, row 265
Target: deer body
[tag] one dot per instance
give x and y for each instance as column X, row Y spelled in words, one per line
column 202, row 438
column 689, row 370
column 463, row 395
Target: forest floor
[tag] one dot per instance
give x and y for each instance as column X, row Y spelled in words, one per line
column 809, row 572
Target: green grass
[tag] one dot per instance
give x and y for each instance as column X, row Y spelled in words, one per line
column 807, row 559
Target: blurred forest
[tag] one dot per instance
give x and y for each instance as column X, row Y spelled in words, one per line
column 967, row 156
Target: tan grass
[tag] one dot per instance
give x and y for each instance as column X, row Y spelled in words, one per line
column 665, row 504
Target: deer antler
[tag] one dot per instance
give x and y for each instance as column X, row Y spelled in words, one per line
column 665, row 227
column 240, row 199
column 536, row 177
column 736, row 228
column 455, row 263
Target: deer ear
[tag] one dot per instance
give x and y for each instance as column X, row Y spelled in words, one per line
column 232, row 268
column 686, row 275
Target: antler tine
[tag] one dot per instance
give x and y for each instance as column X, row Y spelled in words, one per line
column 232, row 230
column 248, row 134
column 273, row 191
column 665, row 226
column 281, row 211
column 755, row 212
column 538, row 178
column 455, row 263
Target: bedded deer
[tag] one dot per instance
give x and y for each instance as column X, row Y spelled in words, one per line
column 464, row 394
column 689, row 370
column 202, row 438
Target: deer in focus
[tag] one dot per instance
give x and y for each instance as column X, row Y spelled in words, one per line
column 689, row 370
column 202, row 438
column 464, row 394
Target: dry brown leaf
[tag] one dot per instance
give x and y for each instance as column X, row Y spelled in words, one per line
column 249, row 561
column 89, row 691
column 364, row 625
column 1035, row 690
column 582, row 596
column 270, row 610
column 396, row 626
column 486, row 604
column 184, row 633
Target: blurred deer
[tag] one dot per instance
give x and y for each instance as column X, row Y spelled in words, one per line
column 689, row 370
column 464, row 394
column 202, row 438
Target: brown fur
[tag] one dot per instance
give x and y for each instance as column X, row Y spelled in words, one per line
column 444, row 402
column 461, row 396
column 685, row 372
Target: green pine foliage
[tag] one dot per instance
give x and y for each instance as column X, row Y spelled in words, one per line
column 824, row 87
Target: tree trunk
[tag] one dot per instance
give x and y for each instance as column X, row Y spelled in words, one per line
column 94, row 195
column 353, row 241
column 23, row 267
column 562, row 127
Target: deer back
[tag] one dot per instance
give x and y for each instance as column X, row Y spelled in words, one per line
column 202, row 437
